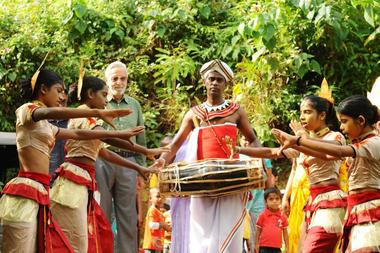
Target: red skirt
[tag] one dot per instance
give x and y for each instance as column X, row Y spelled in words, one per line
column 100, row 236
column 50, row 238
column 324, row 235
column 365, row 215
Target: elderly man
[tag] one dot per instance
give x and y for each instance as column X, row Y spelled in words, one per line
column 214, row 224
column 118, row 186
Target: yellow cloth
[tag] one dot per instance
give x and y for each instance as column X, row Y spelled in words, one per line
column 343, row 177
column 300, row 193
column 247, row 226
column 153, row 237
column 153, row 183
column 167, row 235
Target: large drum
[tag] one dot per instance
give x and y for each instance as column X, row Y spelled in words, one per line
column 211, row 177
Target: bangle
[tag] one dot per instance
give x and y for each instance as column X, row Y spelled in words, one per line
column 298, row 140
column 353, row 149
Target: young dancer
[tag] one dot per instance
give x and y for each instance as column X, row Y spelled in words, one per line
column 24, row 206
column 73, row 203
column 297, row 191
column 325, row 207
column 357, row 116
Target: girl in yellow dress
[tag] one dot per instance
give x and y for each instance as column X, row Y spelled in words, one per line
column 293, row 202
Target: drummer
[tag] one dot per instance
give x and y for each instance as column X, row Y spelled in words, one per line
column 215, row 224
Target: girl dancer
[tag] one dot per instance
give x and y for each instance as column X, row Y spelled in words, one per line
column 357, row 116
column 73, row 203
column 325, row 207
column 24, row 206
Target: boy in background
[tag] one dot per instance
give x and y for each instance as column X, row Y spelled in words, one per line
column 168, row 221
column 155, row 225
column 271, row 225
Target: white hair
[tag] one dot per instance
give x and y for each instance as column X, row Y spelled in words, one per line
column 115, row 64
column 153, row 190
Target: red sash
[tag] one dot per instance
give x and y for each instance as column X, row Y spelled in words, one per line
column 50, row 237
column 365, row 216
column 28, row 192
column 100, row 236
column 91, row 184
column 371, row 215
column 317, row 190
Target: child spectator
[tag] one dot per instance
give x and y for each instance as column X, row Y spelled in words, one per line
column 271, row 225
column 168, row 220
column 155, row 225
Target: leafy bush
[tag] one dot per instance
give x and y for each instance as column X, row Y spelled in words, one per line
column 280, row 50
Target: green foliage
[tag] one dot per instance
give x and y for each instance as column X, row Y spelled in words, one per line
column 280, row 51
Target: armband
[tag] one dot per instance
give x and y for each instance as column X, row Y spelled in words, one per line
column 298, row 140
column 353, row 149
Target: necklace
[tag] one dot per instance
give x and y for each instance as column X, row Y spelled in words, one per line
column 320, row 133
column 210, row 108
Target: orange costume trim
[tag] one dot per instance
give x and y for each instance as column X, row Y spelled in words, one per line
column 202, row 113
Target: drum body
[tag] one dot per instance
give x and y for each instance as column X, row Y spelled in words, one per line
column 211, row 177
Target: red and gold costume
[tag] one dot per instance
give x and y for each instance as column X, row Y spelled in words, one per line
column 72, row 195
column 325, row 208
column 24, row 206
column 362, row 225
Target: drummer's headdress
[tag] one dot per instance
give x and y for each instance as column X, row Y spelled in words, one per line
column 325, row 92
column 35, row 75
column 218, row 66
column 374, row 95
column 80, row 80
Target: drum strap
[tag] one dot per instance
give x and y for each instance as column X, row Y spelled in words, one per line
column 216, row 136
column 195, row 121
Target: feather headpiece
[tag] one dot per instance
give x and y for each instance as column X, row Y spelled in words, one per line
column 374, row 95
column 80, row 80
column 325, row 91
column 35, row 75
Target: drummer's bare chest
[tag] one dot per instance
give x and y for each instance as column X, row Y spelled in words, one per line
column 234, row 118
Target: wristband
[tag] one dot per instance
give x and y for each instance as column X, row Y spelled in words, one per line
column 298, row 140
column 353, row 149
